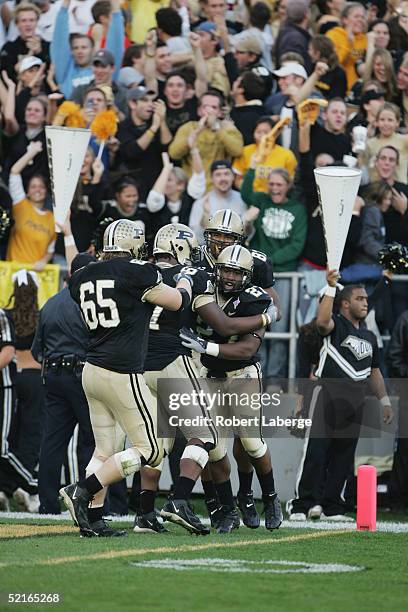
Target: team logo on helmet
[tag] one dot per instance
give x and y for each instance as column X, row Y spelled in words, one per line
column 177, row 240
column 125, row 236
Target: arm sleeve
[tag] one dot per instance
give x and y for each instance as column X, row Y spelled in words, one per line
column 196, row 186
column 16, row 188
column 370, row 227
column 115, row 41
column 60, row 48
column 179, row 146
column 37, row 348
column 155, row 201
column 232, row 140
column 247, row 188
column 231, row 67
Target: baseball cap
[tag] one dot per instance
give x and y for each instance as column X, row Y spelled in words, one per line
column 291, row 68
column 220, row 164
column 248, row 44
column 104, row 57
column 29, row 62
column 81, row 260
column 138, row 93
column 128, row 76
column 206, row 26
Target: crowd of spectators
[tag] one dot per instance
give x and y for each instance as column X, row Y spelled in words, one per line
column 198, row 87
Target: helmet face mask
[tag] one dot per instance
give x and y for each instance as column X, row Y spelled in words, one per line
column 125, row 236
column 217, row 241
column 178, row 241
column 233, row 270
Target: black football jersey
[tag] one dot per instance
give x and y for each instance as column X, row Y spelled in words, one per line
column 262, row 274
column 7, row 338
column 251, row 301
column 348, row 352
column 109, row 294
column 164, row 341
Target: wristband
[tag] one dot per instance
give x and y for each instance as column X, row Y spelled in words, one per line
column 330, row 291
column 266, row 319
column 152, row 132
column 385, row 401
column 69, row 241
column 212, row 349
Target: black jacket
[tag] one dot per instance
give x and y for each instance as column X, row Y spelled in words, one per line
column 397, row 356
column 293, row 38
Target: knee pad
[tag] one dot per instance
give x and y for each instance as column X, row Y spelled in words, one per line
column 217, row 453
column 94, row 465
column 254, row 447
column 196, row 453
column 128, row 462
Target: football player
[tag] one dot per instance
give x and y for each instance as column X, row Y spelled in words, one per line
column 225, row 228
column 236, row 357
column 176, row 246
column 117, row 296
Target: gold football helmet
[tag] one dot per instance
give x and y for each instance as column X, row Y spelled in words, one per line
column 177, row 240
column 224, row 228
column 235, row 258
column 125, row 236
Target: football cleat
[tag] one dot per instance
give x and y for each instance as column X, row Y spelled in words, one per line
column 101, row 529
column 315, row 512
column 248, row 510
column 214, row 510
column 77, row 501
column 273, row 511
column 179, row 511
column 25, row 501
column 229, row 521
column 298, row 517
column 148, row 523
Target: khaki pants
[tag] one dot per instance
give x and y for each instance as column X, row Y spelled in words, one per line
column 186, row 380
column 254, row 444
column 122, row 399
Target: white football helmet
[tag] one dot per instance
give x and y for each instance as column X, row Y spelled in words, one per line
column 125, row 236
column 237, row 258
column 177, row 240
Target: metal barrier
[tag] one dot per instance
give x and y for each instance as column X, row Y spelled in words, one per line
column 292, row 334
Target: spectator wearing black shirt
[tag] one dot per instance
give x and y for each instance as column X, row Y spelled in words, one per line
column 27, row 43
column 247, row 93
column 294, row 34
column 143, row 136
column 332, row 138
column 334, row 83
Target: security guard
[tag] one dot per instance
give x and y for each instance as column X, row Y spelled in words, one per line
column 60, row 344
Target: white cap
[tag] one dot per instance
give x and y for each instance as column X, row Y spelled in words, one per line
column 28, row 62
column 291, row 68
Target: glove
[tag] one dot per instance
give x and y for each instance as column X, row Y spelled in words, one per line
column 272, row 312
column 193, row 341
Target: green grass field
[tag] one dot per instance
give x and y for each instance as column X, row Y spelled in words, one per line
column 103, row 575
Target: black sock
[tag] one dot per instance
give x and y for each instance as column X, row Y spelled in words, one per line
column 183, row 488
column 245, row 482
column 267, row 483
column 147, row 499
column 95, row 514
column 224, row 491
column 210, row 491
column 134, row 497
column 91, row 484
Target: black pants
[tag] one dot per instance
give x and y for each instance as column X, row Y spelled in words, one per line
column 14, row 473
column 329, row 451
column 65, row 406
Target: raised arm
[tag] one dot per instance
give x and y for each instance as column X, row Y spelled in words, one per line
column 201, row 82
column 60, row 49
column 324, row 320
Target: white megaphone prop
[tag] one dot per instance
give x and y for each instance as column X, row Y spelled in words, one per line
column 66, row 148
column 337, row 189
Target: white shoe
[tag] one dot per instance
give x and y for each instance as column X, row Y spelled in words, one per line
column 337, row 518
column 4, row 502
column 27, row 502
column 297, row 516
column 315, row 512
